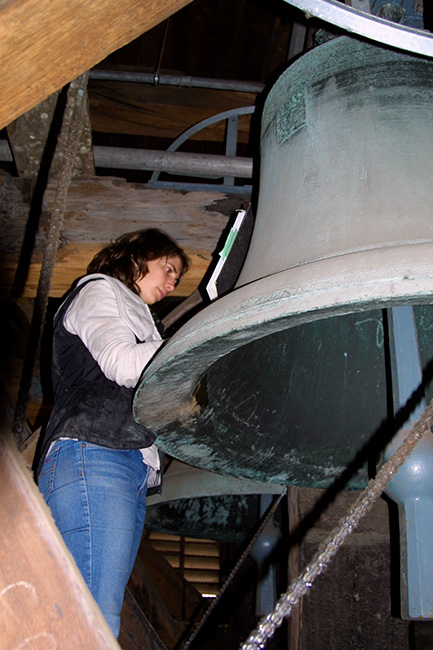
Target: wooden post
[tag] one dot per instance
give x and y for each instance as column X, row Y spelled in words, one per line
column 294, row 568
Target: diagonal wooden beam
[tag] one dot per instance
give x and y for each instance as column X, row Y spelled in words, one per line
column 45, row 44
column 42, row 593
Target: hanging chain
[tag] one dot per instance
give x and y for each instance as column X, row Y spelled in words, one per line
column 267, row 626
column 73, row 117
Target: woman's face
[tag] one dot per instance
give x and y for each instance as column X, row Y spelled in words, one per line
column 160, row 279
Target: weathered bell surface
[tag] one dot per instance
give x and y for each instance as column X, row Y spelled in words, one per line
column 205, row 505
column 286, row 378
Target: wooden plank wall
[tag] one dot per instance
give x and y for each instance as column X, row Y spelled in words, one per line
column 100, row 209
column 354, row 603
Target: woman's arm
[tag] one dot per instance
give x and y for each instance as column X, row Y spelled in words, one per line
column 107, row 321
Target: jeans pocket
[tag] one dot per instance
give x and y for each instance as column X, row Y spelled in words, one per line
column 46, row 477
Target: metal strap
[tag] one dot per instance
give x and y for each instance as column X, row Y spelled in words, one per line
column 364, row 24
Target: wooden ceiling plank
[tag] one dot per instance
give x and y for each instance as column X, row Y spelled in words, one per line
column 45, row 44
column 163, row 111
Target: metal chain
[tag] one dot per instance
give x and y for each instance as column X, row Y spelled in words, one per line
column 267, row 626
column 74, row 111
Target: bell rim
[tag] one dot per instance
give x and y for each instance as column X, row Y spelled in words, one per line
column 373, row 279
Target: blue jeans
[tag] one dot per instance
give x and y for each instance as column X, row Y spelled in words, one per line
column 98, row 500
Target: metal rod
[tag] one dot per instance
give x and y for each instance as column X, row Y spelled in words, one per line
column 231, row 143
column 161, row 53
column 411, row 489
column 406, row 366
column 184, row 81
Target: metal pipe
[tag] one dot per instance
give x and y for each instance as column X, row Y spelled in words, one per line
column 199, row 126
column 242, row 190
column 412, row 486
column 184, row 81
column 174, row 162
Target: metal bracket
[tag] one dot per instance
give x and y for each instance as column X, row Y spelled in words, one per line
column 365, row 24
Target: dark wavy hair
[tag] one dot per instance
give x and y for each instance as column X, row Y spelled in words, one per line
column 126, row 257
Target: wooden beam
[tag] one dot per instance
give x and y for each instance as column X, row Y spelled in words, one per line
column 352, row 599
column 29, row 133
column 42, row 593
column 154, row 606
column 45, row 44
column 135, row 629
column 294, row 568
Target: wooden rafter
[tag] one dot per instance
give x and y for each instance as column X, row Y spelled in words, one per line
column 45, row 44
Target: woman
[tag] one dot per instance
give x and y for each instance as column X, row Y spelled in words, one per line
column 96, row 462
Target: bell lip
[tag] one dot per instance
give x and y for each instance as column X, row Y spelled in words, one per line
column 184, row 481
column 357, row 282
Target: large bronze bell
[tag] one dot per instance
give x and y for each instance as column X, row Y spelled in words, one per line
column 286, row 378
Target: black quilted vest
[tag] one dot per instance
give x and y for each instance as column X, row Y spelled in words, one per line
column 87, row 405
